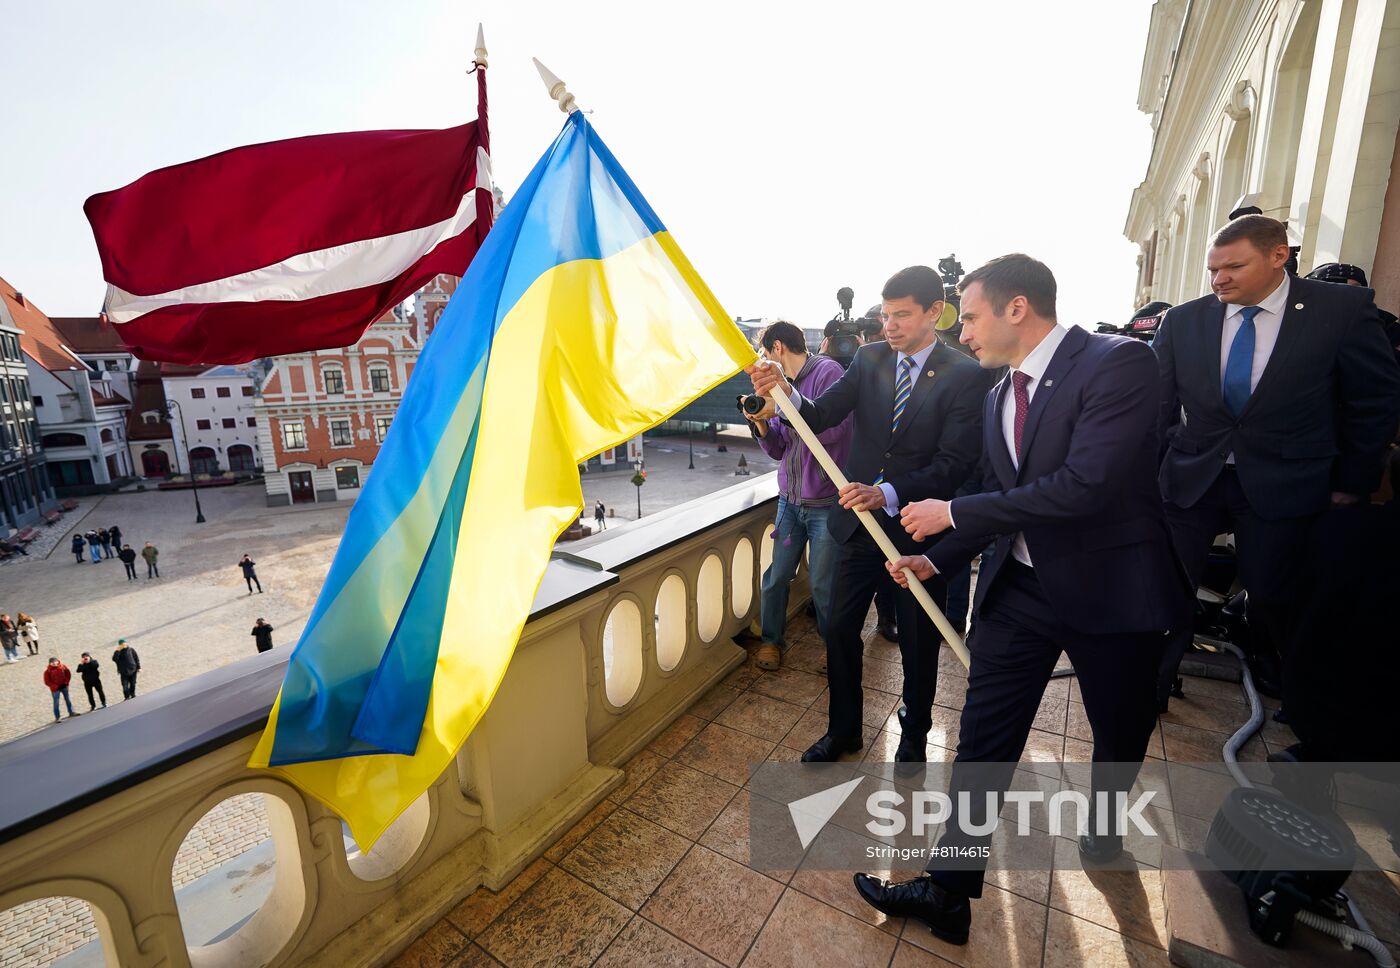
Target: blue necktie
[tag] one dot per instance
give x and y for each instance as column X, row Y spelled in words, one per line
column 1239, row 365
column 903, row 386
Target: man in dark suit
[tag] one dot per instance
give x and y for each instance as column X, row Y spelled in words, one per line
column 1279, row 397
column 1083, row 562
column 916, row 433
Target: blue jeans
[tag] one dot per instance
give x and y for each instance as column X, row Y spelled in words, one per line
column 797, row 527
column 64, row 693
column 96, row 552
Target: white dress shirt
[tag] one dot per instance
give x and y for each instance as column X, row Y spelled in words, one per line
column 1034, row 366
column 1267, row 323
column 919, row 358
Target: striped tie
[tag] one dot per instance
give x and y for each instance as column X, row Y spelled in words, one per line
column 903, row 386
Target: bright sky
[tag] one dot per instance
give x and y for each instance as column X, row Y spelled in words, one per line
column 791, row 148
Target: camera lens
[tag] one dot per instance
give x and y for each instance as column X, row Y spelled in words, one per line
column 753, row 404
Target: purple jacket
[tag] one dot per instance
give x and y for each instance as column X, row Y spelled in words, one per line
column 801, row 479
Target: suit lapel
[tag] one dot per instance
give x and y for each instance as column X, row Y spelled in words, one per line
column 1214, row 329
column 923, row 387
column 884, row 385
column 1060, row 364
column 1290, row 334
column 994, row 441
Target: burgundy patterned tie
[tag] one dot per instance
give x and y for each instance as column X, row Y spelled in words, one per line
column 1019, row 382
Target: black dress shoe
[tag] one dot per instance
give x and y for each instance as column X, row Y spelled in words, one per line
column 829, row 748
column 888, row 630
column 946, row 914
column 1100, row 848
column 912, row 749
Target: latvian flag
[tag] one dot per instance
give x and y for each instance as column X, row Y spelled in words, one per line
column 292, row 245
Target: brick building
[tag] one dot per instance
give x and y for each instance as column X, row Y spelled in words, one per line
column 322, row 415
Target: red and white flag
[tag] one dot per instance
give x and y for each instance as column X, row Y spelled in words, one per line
column 291, row 245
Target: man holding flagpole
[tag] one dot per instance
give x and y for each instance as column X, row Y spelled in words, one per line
column 916, row 409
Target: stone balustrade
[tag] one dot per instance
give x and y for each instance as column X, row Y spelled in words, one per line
column 625, row 634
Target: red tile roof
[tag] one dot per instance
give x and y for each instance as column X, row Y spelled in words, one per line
column 89, row 334
column 42, row 342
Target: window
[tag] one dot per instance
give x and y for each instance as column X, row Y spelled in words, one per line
column 196, row 393
column 294, row 436
column 379, row 379
column 340, row 433
column 347, row 477
column 230, row 422
column 223, row 392
column 252, row 421
column 150, row 418
column 38, row 400
column 381, row 427
column 247, row 391
column 334, row 381
column 201, row 425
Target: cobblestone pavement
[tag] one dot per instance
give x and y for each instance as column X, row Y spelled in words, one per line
column 52, row 536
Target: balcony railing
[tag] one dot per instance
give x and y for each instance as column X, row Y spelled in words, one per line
column 625, row 634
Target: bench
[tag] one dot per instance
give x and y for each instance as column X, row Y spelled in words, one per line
column 53, row 517
column 69, row 505
column 25, row 536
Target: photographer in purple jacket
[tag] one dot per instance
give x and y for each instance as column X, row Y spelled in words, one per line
column 806, row 494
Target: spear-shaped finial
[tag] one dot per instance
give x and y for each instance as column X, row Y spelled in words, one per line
column 480, row 59
column 556, row 88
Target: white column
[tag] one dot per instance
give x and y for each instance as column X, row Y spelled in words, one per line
column 1309, row 142
column 1351, row 122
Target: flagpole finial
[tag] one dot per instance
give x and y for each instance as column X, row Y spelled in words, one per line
column 480, row 60
column 556, row 88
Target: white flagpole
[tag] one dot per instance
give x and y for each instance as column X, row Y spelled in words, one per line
column 940, row 620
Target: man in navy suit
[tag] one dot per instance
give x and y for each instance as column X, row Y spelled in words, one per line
column 916, row 431
column 1279, row 398
column 1083, row 562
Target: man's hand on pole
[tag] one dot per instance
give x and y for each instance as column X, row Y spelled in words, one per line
column 862, row 497
column 918, row 564
column 767, row 374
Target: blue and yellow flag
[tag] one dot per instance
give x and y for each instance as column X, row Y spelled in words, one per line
column 579, row 325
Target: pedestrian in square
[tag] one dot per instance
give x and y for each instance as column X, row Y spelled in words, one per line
column 91, row 672
column 57, row 677
column 116, row 535
column 151, row 553
column 105, row 537
column 262, row 635
column 600, row 514
column 249, row 575
column 77, row 547
column 94, row 541
column 28, row 632
column 9, row 638
column 128, row 557
column 128, row 664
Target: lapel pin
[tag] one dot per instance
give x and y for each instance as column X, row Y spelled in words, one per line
column 1297, row 305
column 1049, row 383
column 929, row 373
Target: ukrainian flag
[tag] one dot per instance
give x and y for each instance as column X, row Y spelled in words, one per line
column 579, row 324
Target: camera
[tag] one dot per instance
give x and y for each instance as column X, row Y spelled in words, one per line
column 751, row 404
column 845, row 335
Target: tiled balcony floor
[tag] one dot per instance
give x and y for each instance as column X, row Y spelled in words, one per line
column 657, row 875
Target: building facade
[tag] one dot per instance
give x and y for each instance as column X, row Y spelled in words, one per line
column 25, row 490
column 1295, row 103
column 321, row 416
column 215, row 426
column 81, row 416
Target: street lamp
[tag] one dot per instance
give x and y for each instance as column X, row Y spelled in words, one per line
column 690, row 443
column 194, row 484
column 638, row 479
